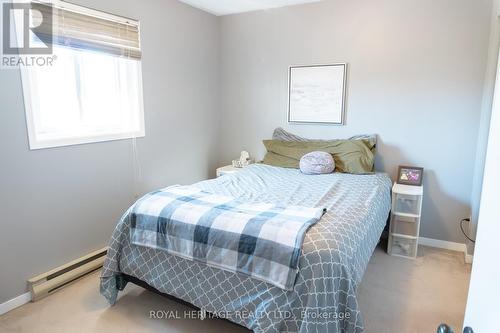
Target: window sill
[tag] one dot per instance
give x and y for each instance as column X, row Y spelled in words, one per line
column 39, row 144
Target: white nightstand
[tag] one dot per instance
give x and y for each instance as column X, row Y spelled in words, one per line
column 405, row 220
column 226, row 169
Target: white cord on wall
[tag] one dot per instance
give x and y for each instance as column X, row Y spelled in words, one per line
column 136, row 168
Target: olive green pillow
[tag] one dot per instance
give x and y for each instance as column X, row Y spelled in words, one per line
column 351, row 156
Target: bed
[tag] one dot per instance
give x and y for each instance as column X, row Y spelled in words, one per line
column 335, row 254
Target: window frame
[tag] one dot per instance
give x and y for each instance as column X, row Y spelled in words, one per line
column 26, row 81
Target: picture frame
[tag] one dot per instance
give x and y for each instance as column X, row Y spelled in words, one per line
column 317, row 94
column 410, row 175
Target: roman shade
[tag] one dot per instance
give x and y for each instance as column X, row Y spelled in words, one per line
column 87, row 29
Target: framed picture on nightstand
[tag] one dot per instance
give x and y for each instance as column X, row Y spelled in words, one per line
column 409, row 175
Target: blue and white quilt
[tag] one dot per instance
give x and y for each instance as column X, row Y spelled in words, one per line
column 335, row 252
column 262, row 240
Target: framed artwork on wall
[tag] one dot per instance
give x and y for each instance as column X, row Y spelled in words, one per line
column 316, row 94
column 409, row 175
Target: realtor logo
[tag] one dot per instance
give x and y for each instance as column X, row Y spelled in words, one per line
column 35, row 21
column 26, row 34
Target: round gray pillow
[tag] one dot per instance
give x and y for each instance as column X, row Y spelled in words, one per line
column 317, row 162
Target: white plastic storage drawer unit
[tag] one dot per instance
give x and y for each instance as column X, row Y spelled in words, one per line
column 405, row 220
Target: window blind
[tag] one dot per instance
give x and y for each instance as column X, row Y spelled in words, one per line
column 92, row 30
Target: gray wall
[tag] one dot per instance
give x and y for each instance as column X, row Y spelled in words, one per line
column 59, row 204
column 416, row 71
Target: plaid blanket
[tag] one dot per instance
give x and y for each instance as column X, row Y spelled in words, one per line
column 261, row 240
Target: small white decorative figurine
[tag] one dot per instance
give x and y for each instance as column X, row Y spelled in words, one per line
column 243, row 161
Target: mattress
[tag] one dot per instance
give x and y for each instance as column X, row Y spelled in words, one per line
column 334, row 255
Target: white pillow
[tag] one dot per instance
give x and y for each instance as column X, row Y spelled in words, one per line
column 317, row 162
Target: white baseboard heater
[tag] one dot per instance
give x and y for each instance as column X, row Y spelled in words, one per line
column 53, row 280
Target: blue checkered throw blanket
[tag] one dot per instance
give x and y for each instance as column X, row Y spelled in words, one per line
column 261, row 240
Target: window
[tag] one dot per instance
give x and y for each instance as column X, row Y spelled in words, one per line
column 93, row 90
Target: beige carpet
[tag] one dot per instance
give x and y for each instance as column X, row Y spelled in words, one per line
column 414, row 296
column 397, row 295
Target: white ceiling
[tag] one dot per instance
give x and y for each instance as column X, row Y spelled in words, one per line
column 226, row 7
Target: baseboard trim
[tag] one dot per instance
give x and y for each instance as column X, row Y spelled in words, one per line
column 441, row 244
column 469, row 258
column 15, row 303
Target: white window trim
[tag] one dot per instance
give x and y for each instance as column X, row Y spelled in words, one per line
column 90, row 11
column 34, row 143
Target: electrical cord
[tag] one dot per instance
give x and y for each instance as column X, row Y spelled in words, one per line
column 463, row 231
